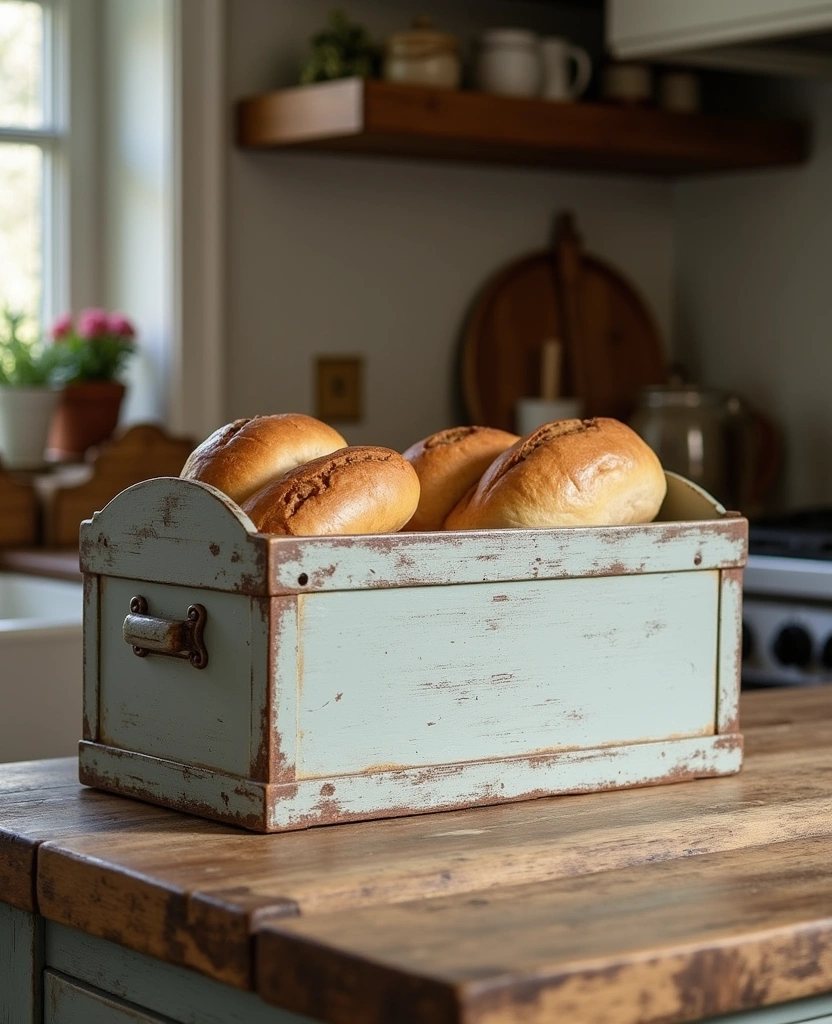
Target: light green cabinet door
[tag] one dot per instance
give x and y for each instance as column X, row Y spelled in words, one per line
column 21, row 964
column 66, row 1002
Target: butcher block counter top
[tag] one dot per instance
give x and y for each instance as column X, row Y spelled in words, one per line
column 674, row 903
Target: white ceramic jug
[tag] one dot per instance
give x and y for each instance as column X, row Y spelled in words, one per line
column 560, row 82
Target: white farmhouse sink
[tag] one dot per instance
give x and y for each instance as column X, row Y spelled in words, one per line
column 40, row 667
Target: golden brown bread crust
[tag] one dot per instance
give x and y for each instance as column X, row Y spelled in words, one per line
column 595, row 472
column 356, row 490
column 448, row 463
column 245, row 455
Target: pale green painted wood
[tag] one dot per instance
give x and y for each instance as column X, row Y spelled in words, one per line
column 260, row 703
column 176, row 531
column 21, row 966
column 382, row 793
column 92, row 675
column 164, row 706
column 402, row 678
column 729, row 665
column 285, row 674
column 550, row 641
column 66, row 1002
column 184, row 996
column 208, row 793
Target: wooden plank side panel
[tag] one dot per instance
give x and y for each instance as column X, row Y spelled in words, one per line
column 409, row 677
column 21, row 966
column 284, row 671
column 324, row 801
column 182, row 787
column 179, row 532
column 729, row 665
column 494, row 556
column 665, row 942
column 262, row 704
column 164, row 706
column 92, row 653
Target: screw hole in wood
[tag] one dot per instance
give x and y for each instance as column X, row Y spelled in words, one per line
column 303, row 579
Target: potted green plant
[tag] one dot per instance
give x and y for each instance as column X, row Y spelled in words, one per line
column 341, row 50
column 29, row 392
column 92, row 354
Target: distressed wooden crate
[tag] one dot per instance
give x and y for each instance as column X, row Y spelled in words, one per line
column 361, row 677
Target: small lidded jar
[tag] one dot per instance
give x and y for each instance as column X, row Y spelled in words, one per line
column 509, row 63
column 423, row 56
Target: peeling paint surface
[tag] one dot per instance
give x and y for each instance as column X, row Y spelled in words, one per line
column 348, row 678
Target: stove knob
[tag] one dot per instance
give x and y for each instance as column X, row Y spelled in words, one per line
column 748, row 641
column 793, row 646
column 826, row 655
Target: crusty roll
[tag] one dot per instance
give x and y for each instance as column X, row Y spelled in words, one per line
column 448, row 464
column 243, row 456
column 594, row 472
column 355, row 490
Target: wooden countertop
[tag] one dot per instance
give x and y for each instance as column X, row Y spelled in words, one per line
column 54, row 564
column 671, row 903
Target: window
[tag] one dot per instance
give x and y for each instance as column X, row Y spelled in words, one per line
column 31, row 157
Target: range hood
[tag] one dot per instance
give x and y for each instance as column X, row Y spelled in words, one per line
column 792, row 37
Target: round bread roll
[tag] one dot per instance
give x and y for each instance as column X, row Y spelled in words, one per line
column 594, row 472
column 448, row 464
column 243, row 456
column 356, row 490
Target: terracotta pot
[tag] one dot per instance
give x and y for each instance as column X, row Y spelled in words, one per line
column 86, row 415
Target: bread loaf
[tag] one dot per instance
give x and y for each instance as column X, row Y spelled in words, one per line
column 355, row 490
column 243, row 456
column 595, row 472
column 447, row 464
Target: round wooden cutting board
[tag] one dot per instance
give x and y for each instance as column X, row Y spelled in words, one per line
column 612, row 347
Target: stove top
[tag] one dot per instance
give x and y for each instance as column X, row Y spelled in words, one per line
column 804, row 534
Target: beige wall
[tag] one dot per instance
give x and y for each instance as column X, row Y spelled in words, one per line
column 754, row 293
column 383, row 257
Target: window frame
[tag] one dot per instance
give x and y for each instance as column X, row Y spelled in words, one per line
column 67, row 141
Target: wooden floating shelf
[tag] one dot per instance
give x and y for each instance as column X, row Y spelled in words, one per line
column 369, row 117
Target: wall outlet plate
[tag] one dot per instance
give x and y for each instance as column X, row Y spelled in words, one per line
column 339, row 389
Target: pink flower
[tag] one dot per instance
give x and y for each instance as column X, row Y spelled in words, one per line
column 118, row 324
column 62, row 327
column 93, row 323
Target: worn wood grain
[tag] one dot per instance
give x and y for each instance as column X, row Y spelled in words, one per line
column 673, row 941
column 176, row 532
column 384, row 118
column 623, row 637
column 42, row 800
column 148, row 889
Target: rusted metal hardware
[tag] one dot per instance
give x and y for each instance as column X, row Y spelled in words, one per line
column 148, row 634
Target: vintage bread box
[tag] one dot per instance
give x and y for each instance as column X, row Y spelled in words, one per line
column 278, row 683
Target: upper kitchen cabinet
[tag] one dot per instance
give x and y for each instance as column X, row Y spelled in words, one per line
column 775, row 36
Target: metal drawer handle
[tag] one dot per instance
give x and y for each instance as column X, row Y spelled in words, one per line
column 147, row 634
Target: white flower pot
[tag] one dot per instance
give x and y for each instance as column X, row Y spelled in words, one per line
column 25, row 415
